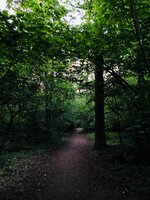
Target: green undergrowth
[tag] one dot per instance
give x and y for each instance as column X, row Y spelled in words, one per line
column 112, row 138
column 124, row 162
column 11, row 156
column 91, row 136
column 6, row 159
column 13, row 163
column 142, row 176
column 16, row 166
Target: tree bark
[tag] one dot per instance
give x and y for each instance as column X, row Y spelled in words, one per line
column 48, row 115
column 5, row 139
column 100, row 137
column 148, row 147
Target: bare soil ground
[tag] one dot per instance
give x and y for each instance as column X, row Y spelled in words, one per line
column 74, row 172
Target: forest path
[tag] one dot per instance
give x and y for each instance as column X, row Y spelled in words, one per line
column 75, row 172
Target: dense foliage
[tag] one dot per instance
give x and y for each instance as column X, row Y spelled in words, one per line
column 48, row 66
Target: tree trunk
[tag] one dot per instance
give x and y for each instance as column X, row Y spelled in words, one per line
column 148, row 148
column 47, row 116
column 5, row 139
column 100, row 137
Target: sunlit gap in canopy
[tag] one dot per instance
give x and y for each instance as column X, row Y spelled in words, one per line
column 4, row 6
column 75, row 12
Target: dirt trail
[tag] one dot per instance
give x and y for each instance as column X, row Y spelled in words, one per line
column 75, row 172
column 67, row 176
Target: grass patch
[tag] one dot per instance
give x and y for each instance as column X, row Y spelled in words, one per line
column 13, row 153
column 112, row 138
column 142, row 173
column 91, row 136
column 7, row 159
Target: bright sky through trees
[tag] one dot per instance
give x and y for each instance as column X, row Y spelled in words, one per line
column 2, row 4
column 74, row 15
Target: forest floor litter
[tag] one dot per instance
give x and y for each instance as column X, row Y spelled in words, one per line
column 73, row 172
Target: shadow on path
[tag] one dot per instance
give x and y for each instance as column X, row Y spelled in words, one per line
column 76, row 172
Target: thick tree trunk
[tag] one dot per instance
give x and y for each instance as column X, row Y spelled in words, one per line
column 48, row 115
column 100, row 138
column 148, row 148
column 5, row 139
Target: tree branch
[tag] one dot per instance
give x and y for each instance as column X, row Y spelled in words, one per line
column 137, row 35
